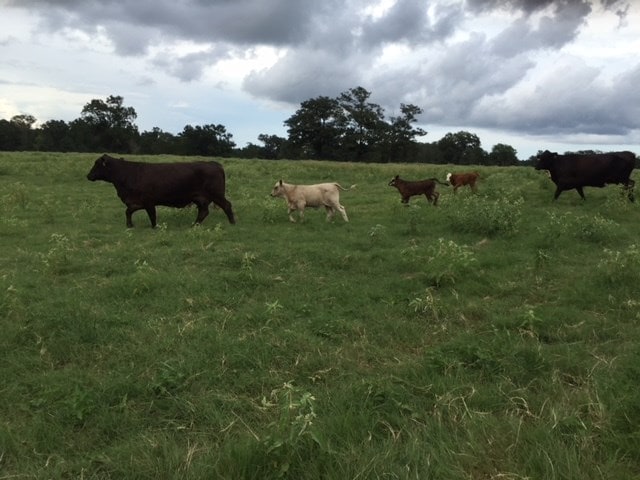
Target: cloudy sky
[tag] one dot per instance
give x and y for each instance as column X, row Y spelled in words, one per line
column 534, row 74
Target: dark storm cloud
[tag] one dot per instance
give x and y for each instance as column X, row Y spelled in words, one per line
column 458, row 77
column 530, row 6
column 598, row 107
column 410, row 21
column 549, row 32
column 276, row 22
column 190, row 67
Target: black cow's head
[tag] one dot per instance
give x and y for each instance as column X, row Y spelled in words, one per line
column 545, row 160
column 101, row 169
column 394, row 181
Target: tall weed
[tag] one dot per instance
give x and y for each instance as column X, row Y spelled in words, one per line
column 592, row 228
column 294, row 430
column 476, row 214
column 621, row 267
column 442, row 262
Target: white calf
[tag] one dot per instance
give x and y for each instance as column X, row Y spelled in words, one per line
column 298, row 197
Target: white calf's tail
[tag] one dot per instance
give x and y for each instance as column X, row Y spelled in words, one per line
column 345, row 189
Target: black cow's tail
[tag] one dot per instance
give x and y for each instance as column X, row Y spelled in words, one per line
column 441, row 183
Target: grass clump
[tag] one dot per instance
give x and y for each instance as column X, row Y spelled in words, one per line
column 621, row 267
column 485, row 216
column 592, row 228
column 442, row 262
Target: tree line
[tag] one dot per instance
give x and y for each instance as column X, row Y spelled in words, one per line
column 348, row 127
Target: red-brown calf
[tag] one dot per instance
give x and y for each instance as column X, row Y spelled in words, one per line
column 458, row 180
column 409, row 188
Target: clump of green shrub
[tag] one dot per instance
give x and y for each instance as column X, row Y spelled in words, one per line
column 57, row 259
column 273, row 211
column 293, row 433
column 621, row 266
column 592, row 228
column 475, row 214
column 442, row 262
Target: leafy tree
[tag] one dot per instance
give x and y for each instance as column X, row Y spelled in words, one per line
column 316, row 127
column 504, row 155
column 156, row 141
column 111, row 124
column 54, row 136
column 462, row 148
column 23, row 121
column 365, row 127
column 23, row 134
column 400, row 142
column 207, row 140
column 9, row 136
column 273, row 146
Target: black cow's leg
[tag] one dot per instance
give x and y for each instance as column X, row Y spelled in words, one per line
column 203, row 211
column 629, row 188
column 225, row 205
column 557, row 194
column 579, row 189
column 151, row 212
column 128, row 213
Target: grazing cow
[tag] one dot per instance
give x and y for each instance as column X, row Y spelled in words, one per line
column 298, row 197
column 146, row 185
column 588, row 170
column 408, row 188
column 458, row 180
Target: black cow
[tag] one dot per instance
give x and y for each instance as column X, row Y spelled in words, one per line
column 146, row 185
column 588, row 170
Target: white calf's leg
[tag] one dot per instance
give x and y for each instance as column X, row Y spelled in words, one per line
column 330, row 212
column 343, row 212
column 291, row 210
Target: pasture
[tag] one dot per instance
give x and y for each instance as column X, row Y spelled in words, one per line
column 495, row 336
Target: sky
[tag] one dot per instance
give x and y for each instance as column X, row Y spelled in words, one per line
column 533, row 74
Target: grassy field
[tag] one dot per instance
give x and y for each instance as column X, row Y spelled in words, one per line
column 496, row 336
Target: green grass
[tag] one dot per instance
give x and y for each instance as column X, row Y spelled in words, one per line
column 496, row 336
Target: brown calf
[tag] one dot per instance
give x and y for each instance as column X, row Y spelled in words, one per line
column 458, row 180
column 408, row 188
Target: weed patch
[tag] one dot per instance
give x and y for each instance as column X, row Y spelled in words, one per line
column 486, row 217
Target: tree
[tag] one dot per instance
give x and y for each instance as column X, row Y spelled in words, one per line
column 316, row 127
column 207, row 140
column 24, row 134
column 400, row 142
column 365, row 126
column 462, row 148
column 54, row 136
column 156, row 141
column 111, row 124
column 273, row 146
column 502, row 154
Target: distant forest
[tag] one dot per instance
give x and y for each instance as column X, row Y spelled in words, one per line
column 346, row 128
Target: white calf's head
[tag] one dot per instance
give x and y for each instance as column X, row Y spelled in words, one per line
column 278, row 189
